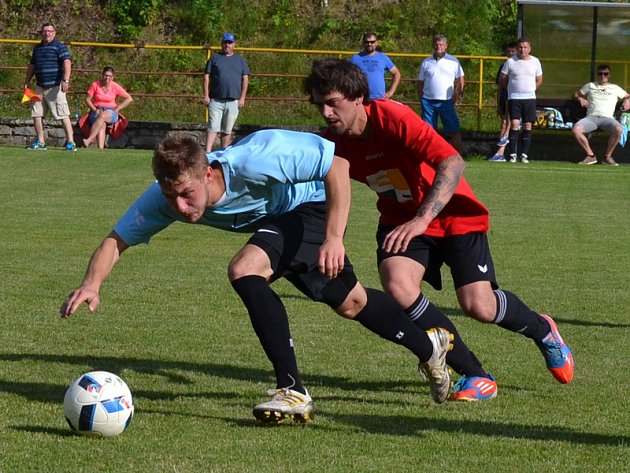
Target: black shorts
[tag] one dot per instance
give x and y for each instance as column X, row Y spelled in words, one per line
column 468, row 256
column 292, row 242
column 522, row 109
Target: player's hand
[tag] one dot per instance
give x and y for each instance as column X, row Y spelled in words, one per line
column 331, row 257
column 78, row 297
column 398, row 239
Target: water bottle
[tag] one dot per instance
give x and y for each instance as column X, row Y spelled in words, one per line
column 76, row 111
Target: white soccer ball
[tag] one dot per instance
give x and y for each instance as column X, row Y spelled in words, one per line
column 98, row 404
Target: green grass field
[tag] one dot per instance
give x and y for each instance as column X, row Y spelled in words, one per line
column 172, row 327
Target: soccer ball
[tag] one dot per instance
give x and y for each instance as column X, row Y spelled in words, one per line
column 98, row 404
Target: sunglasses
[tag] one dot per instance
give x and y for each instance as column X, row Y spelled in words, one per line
column 370, row 42
column 603, row 73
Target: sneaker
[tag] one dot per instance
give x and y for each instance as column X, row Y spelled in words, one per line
column 497, row 158
column 557, row 354
column 70, row 146
column 435, row 369
column 524, row 159
column 589, row 160
column 610, row 161
column 37, row 146
column 503, row 141
column 475, row 388
column 512, row 158
column 285, row 404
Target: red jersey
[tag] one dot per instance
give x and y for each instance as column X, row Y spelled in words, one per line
column 398, row 162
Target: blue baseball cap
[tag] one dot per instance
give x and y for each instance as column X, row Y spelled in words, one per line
column 228, row 37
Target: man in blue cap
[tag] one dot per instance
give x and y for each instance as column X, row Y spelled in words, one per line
column 225, row 82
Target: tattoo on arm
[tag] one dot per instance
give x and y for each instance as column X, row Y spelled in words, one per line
column 447, row 176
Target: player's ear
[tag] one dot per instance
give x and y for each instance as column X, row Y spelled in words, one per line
column 209, row 173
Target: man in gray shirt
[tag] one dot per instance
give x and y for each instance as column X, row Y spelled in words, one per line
column 225, row 82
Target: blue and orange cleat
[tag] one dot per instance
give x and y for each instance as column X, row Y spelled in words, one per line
column 475, row 388
column 557, row 353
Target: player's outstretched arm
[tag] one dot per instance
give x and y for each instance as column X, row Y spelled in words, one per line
column 338, row 194
column 101, row 264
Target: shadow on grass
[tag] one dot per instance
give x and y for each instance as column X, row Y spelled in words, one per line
column 47, row 392
column 416, row 426
column 377, row 424
column 45, row 430
column 457, row 312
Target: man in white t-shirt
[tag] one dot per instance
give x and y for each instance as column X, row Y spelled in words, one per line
column 521, row 75
column 440, row 86
column 600, row 99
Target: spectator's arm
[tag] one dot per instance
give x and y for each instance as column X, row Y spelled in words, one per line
column 503, row 80
column 89, row 102
column 206, row 88
column 420, row 87
column 396, row 76
column 459, row 89
column 580, row 97
column 127, row 99
column 244, row 86
column 67, row 70
column 30, row 70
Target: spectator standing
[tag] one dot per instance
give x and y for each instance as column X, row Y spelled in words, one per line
column 504, row 116
column 104, row 111
column 440, row 87
column 374, row 63
column 521, row 75
column 600, row 99
column 51, row 64
column 225, row 82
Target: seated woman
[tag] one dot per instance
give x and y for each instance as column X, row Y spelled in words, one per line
column 101, row 99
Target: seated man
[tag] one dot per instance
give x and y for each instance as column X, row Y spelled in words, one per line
column 600, row 99
column 294, row 193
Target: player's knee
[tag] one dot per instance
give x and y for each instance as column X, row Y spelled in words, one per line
column 483, row 311
column 353, row 304
column 404, row 294
column 349, row 309
column 240, row 267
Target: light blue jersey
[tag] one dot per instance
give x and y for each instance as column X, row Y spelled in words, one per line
column 268, row 173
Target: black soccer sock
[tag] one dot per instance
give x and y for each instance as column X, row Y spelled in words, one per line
column 383, row 316
column 527, row 141
column 271, row 323
column 513, row 141
column 426, row 316
column 515, row 316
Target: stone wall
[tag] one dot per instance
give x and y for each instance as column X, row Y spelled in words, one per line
column 138, row 135
column 547, row 145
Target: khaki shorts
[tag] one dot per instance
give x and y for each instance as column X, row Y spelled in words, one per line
column 222, row 116
column 53, row 99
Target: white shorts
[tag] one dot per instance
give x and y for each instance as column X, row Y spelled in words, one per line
column 223, row 114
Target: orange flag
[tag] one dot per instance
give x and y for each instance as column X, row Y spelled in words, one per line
column 30, row 95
